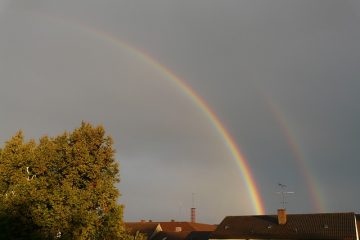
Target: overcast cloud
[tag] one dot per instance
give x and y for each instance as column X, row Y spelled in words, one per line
column 242, row 57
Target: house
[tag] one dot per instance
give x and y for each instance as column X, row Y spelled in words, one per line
column 334, row 226
column 149, row 229
column 171, row 235
column 174, row 226
column 184, row 235
column 184, row 231
column 172, row 230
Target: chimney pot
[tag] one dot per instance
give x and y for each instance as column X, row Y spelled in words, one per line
column 193, row 215
column 282, row 216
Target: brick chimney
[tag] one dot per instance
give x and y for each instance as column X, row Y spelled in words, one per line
column 282, row 216
column 193, row 215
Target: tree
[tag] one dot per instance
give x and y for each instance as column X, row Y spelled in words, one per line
column 61, row 187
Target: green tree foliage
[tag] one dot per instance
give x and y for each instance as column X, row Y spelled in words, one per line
column 61, row 187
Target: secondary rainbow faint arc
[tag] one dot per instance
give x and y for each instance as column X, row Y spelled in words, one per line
column 205, row 108
column 310, row 182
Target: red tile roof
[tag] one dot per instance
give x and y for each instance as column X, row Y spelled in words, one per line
column 147, row 228
column 298, row 226
column 186, row 226
column 171, row 230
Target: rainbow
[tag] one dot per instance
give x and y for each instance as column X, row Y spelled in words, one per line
column 207, row 111
column 310, row 182
column 229, row 141
column 219, row 126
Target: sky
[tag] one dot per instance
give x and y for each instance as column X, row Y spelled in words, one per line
column 282, row 76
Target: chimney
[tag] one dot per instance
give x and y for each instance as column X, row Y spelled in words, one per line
column 142, row 220
column 282, row 216
column 193, row 215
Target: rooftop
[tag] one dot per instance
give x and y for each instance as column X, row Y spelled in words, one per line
column 298, row 226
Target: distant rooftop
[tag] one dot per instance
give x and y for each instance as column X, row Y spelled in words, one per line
column 297, row 226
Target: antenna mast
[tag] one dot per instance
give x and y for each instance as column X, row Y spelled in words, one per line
column 284, row 194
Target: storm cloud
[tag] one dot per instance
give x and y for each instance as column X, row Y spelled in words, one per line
column 282, row 75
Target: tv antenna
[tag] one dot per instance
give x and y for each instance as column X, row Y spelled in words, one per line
column 284, row 194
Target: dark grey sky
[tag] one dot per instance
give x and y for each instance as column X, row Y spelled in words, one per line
column 282, row 75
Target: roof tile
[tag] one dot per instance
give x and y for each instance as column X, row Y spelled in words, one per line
column 298, row 226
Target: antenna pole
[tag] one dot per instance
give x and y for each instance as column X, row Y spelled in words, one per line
column 283, row 194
